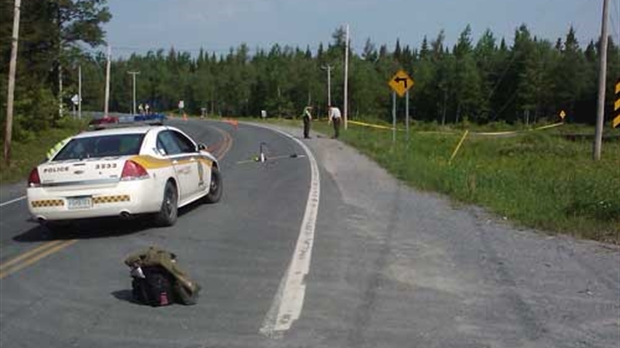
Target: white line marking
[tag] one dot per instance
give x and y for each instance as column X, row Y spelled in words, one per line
column 12, row 201
column 289, row 299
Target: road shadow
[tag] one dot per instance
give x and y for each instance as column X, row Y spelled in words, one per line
column 95, row 228
column 126, row 296
column 83, row 229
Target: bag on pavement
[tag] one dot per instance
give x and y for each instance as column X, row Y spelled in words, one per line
column 158, row 281
column 155, row 288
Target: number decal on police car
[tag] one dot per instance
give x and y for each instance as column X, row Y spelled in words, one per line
column 106, row 166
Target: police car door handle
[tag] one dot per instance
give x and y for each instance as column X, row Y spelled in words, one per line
column 192, row 159
column 175, row 162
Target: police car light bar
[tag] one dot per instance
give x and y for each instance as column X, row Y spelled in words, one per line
column 127, row 121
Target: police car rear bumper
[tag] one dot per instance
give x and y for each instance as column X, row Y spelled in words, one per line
column 121, row 199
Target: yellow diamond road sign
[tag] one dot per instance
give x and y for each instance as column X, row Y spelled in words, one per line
column 562, row 114
column 401, row 82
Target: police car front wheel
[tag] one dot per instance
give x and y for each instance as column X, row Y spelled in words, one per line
column 168, row 212
column 216, row 187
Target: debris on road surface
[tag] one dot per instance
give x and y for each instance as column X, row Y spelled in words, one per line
column 157, row 280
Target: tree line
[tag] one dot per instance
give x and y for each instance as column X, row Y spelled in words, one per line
column 53, row 37
column 481, row 79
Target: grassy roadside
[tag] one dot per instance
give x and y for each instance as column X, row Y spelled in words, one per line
column 536, row 179
column 27, row 154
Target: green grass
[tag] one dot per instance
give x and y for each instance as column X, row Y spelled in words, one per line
column 27, row 154
column 536, row 179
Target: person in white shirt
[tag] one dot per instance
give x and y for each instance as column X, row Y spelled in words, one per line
column 307, row 118
column 335, row 117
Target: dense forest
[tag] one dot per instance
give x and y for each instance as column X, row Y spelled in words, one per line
column 487, row 79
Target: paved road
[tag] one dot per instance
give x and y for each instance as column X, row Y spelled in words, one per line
column 390, row 266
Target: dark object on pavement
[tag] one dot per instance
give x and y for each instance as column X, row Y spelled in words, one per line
column 158, row 281
column 155, row 288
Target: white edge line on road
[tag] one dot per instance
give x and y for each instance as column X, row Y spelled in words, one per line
column 289, row 299
column 12, row 201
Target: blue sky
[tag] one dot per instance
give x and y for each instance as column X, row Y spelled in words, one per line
column 216, row 25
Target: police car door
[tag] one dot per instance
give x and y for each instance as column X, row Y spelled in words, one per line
column 183, row 154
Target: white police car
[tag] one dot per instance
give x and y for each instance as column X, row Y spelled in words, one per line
column 124, row 172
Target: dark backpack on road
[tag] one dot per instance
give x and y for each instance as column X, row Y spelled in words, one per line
column 157, row 280
column 155, row 289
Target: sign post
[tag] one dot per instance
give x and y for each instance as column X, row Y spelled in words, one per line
column 407, row 116
column 393, row 117
column 400, row 84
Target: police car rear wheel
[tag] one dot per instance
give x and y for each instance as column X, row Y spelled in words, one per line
column 168, row 212
column 215, row 188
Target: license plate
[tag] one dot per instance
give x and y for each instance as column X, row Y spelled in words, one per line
column 79, row 203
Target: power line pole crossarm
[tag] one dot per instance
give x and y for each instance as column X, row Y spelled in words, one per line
column 11, row 86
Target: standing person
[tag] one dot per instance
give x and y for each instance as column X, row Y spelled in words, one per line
column 147, row 109
column 307, row 117
column 335, row 117
column 141, row 109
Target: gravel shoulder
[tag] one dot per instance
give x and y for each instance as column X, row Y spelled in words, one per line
column 410, row 266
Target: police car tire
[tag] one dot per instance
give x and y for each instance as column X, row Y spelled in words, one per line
column 168, row 212
column 216, row 188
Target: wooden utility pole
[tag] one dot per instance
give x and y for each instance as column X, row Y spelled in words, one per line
column 79, row 92
column 346, row 79
column 11, row 87
column 60, row 104
column 133, row 75
column 107, row 83
column 602, row 78
column 329, row 83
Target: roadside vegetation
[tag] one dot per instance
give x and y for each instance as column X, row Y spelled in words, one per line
column 536, row 179
column 30, row 148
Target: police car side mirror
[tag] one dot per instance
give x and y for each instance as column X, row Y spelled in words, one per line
column 202, row 147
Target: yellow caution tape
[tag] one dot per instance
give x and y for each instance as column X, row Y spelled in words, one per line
column 452, row 132
column 372, row 125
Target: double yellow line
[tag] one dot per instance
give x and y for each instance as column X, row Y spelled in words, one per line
column 28, row 258
column 227, row 145
column 224, row 145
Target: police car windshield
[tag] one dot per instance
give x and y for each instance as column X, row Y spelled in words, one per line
column 102, row 146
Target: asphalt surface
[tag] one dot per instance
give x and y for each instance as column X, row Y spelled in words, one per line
column 390, row 266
